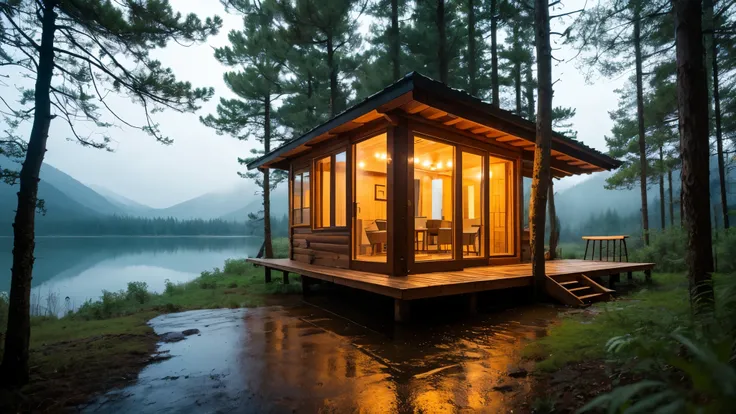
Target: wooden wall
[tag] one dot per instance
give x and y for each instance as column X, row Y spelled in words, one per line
column 321, row 247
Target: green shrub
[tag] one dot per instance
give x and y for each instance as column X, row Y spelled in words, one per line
column 725, row 247
column 169, row 287
column 666, row 249
column 138, row 292
column 237, row 267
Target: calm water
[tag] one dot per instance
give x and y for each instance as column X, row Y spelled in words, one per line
column 81, row 267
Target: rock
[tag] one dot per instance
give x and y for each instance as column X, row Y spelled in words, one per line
column 170, row 337
column 503, row 388
column 188, row 332
column 517, row 372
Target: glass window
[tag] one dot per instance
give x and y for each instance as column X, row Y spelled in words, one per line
column 434, row 200
column 340, row 189
column 322, row 188
column 300, row 198
column 472, row 205
column 501, row 181
column 369, row 195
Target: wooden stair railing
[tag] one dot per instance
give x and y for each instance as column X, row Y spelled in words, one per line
column 576, row 290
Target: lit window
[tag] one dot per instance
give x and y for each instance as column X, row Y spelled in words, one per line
column 330, row 189
column 300, row 198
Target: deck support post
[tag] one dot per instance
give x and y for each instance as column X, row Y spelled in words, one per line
column 307, row 283
column 286, row 277
column 613, row 279
column 268, row 274
column 648, row 275
column 402, row 310
column 630, row 276
column 472, row 303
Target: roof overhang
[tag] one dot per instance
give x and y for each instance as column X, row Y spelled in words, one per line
column 424, row 99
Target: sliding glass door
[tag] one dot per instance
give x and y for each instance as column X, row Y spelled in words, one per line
column 370, row 226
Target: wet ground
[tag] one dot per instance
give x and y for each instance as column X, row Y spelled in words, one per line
column 319, row 356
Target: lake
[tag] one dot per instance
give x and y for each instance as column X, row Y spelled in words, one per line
column 81, row 267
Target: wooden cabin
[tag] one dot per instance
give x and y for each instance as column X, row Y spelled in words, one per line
column 415, row 179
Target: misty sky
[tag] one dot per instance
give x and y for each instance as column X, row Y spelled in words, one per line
column 199, row 161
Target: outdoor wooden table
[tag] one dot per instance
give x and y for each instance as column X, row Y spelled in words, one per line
column 620, row 240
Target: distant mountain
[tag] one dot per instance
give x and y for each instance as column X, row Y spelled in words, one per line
column 279, row 206
column 79, row 192
column 133, row 208
column 59, row 206
column 212, row 205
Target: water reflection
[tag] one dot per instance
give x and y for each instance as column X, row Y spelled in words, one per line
column 81, row 267
column 306, row 359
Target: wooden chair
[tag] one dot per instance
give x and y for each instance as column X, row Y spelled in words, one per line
column 433, row 229
column 377, row 238
column 471, row 239
column 444, row 238
column 419, row 223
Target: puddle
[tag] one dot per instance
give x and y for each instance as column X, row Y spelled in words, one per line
column 304, row 358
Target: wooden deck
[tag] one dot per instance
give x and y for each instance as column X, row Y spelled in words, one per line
column 469, row 280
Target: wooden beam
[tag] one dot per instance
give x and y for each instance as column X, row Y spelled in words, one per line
column 508, row 138
column 577, row 163
column 480, row 129
column 522, row 143
column 414, row 107
column 453, row 121
column 392, row 119
column 465, row 124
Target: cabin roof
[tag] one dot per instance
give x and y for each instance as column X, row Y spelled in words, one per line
column 419, row 96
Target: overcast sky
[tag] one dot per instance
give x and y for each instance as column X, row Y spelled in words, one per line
column 199, row 161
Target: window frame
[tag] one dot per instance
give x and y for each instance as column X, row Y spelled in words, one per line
column 333, row 163
column 301, row 171
column 512, row 188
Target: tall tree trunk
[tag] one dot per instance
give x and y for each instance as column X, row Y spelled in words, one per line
column 541, row 172
column 692, row 99
column 672, row 202
column 640, row 121
column 14, row 368
column 267, row 242
column 529, row 92
column 395, row 41
column 494, row 54
column 662, row 214
column 334, row 110
column 442, row 44
column 554, row 232
column 517, row 86
column 472, row 66
column 719, row 135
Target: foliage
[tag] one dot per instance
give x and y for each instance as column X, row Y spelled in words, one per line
column 700, row 349
column 666, row 249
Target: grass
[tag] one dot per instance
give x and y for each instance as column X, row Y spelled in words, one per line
column 104, row 343
column 583, row 335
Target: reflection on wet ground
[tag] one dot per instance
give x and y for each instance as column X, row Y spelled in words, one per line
column 304, row 357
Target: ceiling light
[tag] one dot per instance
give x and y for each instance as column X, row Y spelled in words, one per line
column 361, row 165
column 439, row 165
column 426, row 163
column 449, row 164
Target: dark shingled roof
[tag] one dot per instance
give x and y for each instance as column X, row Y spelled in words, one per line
column 414, row 81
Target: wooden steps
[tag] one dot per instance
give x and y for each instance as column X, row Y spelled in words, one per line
column 576, row 289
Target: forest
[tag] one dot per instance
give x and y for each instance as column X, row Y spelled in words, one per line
column 138, row 226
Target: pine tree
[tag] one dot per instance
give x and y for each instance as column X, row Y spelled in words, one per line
column 258, row 56
column 77, row 51
column 608, row 33
column 692, row 99
column 436, row 30
column 541, row 175
column 328, row 29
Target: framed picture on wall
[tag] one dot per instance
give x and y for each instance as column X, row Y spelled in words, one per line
column 380, row 192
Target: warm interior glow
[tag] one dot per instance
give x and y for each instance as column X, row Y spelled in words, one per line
column 473, row 224
column 501, row 206
column 370, row 190
column 433, row 200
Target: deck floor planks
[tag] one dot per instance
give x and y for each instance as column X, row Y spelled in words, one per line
column 426, row 285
